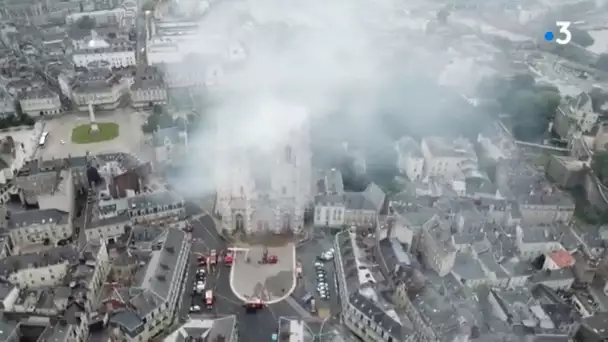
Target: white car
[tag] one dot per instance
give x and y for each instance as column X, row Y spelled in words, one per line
column 319, row 264
column 195, row 308
column 327, row 256
column 62, row 142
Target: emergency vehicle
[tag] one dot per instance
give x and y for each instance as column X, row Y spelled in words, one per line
column 229, row 257
column 209, row 299
column 212, row 261
column 213, row 257
column 254, row 305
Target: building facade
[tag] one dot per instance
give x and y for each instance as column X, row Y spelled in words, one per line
column 154, row 305
column 119, row 56
column 252, row 198
column 40, row 102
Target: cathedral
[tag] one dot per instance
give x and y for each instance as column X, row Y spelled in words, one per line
column 266, row 189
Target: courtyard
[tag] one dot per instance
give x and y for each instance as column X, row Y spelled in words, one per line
column 270, row 283
column 84, row 133
column 129, row 137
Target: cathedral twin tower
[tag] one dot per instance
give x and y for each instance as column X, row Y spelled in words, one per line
column 264, row 184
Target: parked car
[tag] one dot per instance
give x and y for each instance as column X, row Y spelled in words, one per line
column 195, row 308
column 327, row 255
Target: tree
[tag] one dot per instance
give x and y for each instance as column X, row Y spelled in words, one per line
column 602, row 62
column 599, row 165
column 149, row 5
column 86, row 23
column 581, row 37
column 532, row 112
column 531, row 106
column 157, row 120
column 157, row 109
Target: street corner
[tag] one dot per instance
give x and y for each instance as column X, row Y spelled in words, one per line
column 253, row 277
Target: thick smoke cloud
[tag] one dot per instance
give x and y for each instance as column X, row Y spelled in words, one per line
column 357, row 67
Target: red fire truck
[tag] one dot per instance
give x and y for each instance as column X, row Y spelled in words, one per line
column 229, row 257
column 254, row 305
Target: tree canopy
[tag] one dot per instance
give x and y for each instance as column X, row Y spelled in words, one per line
column 602, row 62
column 529, row 105
column 149, row 5
column 159, row 119
column 86, row 23
column 581, row 37
column 599, row 165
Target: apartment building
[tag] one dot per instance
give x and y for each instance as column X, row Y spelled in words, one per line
column 359, row 209
column 211, row 329
column 156, row 206
column 151, row 305
column 118, row 54
column 538, row 202
column 113, row 16
column 45, row 226
column 100, row 87
column 40, row 102
column 41, row 177
column 436, row 245
column 37, row 269
column 575, row 115
column 148, row 89
column 364, row 311
column 447, row 159
column 410, row 160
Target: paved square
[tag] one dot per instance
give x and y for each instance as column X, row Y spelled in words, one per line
column 270, row 283
column 130, row 136
column 26, row 142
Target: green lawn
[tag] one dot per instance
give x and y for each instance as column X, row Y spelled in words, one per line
column 82, row 134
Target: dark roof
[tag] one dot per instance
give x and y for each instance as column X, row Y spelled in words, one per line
column 377, row 314
column 29, row 217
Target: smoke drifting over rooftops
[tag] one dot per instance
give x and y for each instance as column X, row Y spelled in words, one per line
column 345, row 62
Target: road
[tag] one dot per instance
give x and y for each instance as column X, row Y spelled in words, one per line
column 307, row 254
column 252, row 327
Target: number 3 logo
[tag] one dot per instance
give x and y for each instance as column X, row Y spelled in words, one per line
column 564, row 29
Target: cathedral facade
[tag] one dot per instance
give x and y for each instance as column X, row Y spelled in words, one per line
column 265, row 190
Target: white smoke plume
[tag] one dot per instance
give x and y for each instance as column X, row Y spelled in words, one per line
column 345, row 61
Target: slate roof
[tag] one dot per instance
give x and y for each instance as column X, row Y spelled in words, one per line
column 363, row 303
column 207, row 329
column 52, row 256
column 372, row 199
column 467, row 267
column 154, row 283
column 30, row 217
column 36, row 166
column 375, row 313
column 153, row 199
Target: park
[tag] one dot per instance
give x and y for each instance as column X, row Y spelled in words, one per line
column 85, row 134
